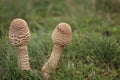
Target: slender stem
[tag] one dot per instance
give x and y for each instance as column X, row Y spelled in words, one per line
column 52, row 62
column 23, row 58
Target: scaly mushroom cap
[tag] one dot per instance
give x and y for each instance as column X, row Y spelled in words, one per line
column 19, row 33
column 62, row 34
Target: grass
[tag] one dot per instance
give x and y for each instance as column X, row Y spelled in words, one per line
column 93, row 55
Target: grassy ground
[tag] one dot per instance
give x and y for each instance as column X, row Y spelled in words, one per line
column 93, row 55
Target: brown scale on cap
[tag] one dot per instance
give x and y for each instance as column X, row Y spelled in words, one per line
column 19, row 35
column 61, row 36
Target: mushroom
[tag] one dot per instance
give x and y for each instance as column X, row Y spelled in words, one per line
column 61, row 36
column 19, row 35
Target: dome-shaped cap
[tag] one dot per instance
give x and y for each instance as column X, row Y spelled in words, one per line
column 62, row 34
column 19, row 33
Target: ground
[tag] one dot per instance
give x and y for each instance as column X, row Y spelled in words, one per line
column 94, row 53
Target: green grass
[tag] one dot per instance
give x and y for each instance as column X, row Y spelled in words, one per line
column 94, row 53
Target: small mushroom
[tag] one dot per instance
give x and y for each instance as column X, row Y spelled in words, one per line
column 19, row 35
column 61, row 36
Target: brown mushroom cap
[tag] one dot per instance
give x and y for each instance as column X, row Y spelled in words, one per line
column 19, row 33
column 62, row 34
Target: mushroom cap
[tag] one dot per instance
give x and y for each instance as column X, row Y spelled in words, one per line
column 62, row 34
column 19, row 33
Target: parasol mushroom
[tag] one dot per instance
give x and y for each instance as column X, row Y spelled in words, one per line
column 61, row 36
column 19, row 35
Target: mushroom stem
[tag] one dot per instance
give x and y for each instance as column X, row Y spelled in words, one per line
column 52, row 62
column 23, row 58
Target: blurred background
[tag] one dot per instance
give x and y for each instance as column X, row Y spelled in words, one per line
column 95, row 50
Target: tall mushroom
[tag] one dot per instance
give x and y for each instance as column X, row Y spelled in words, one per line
column 19, row 35
column 61, row 36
